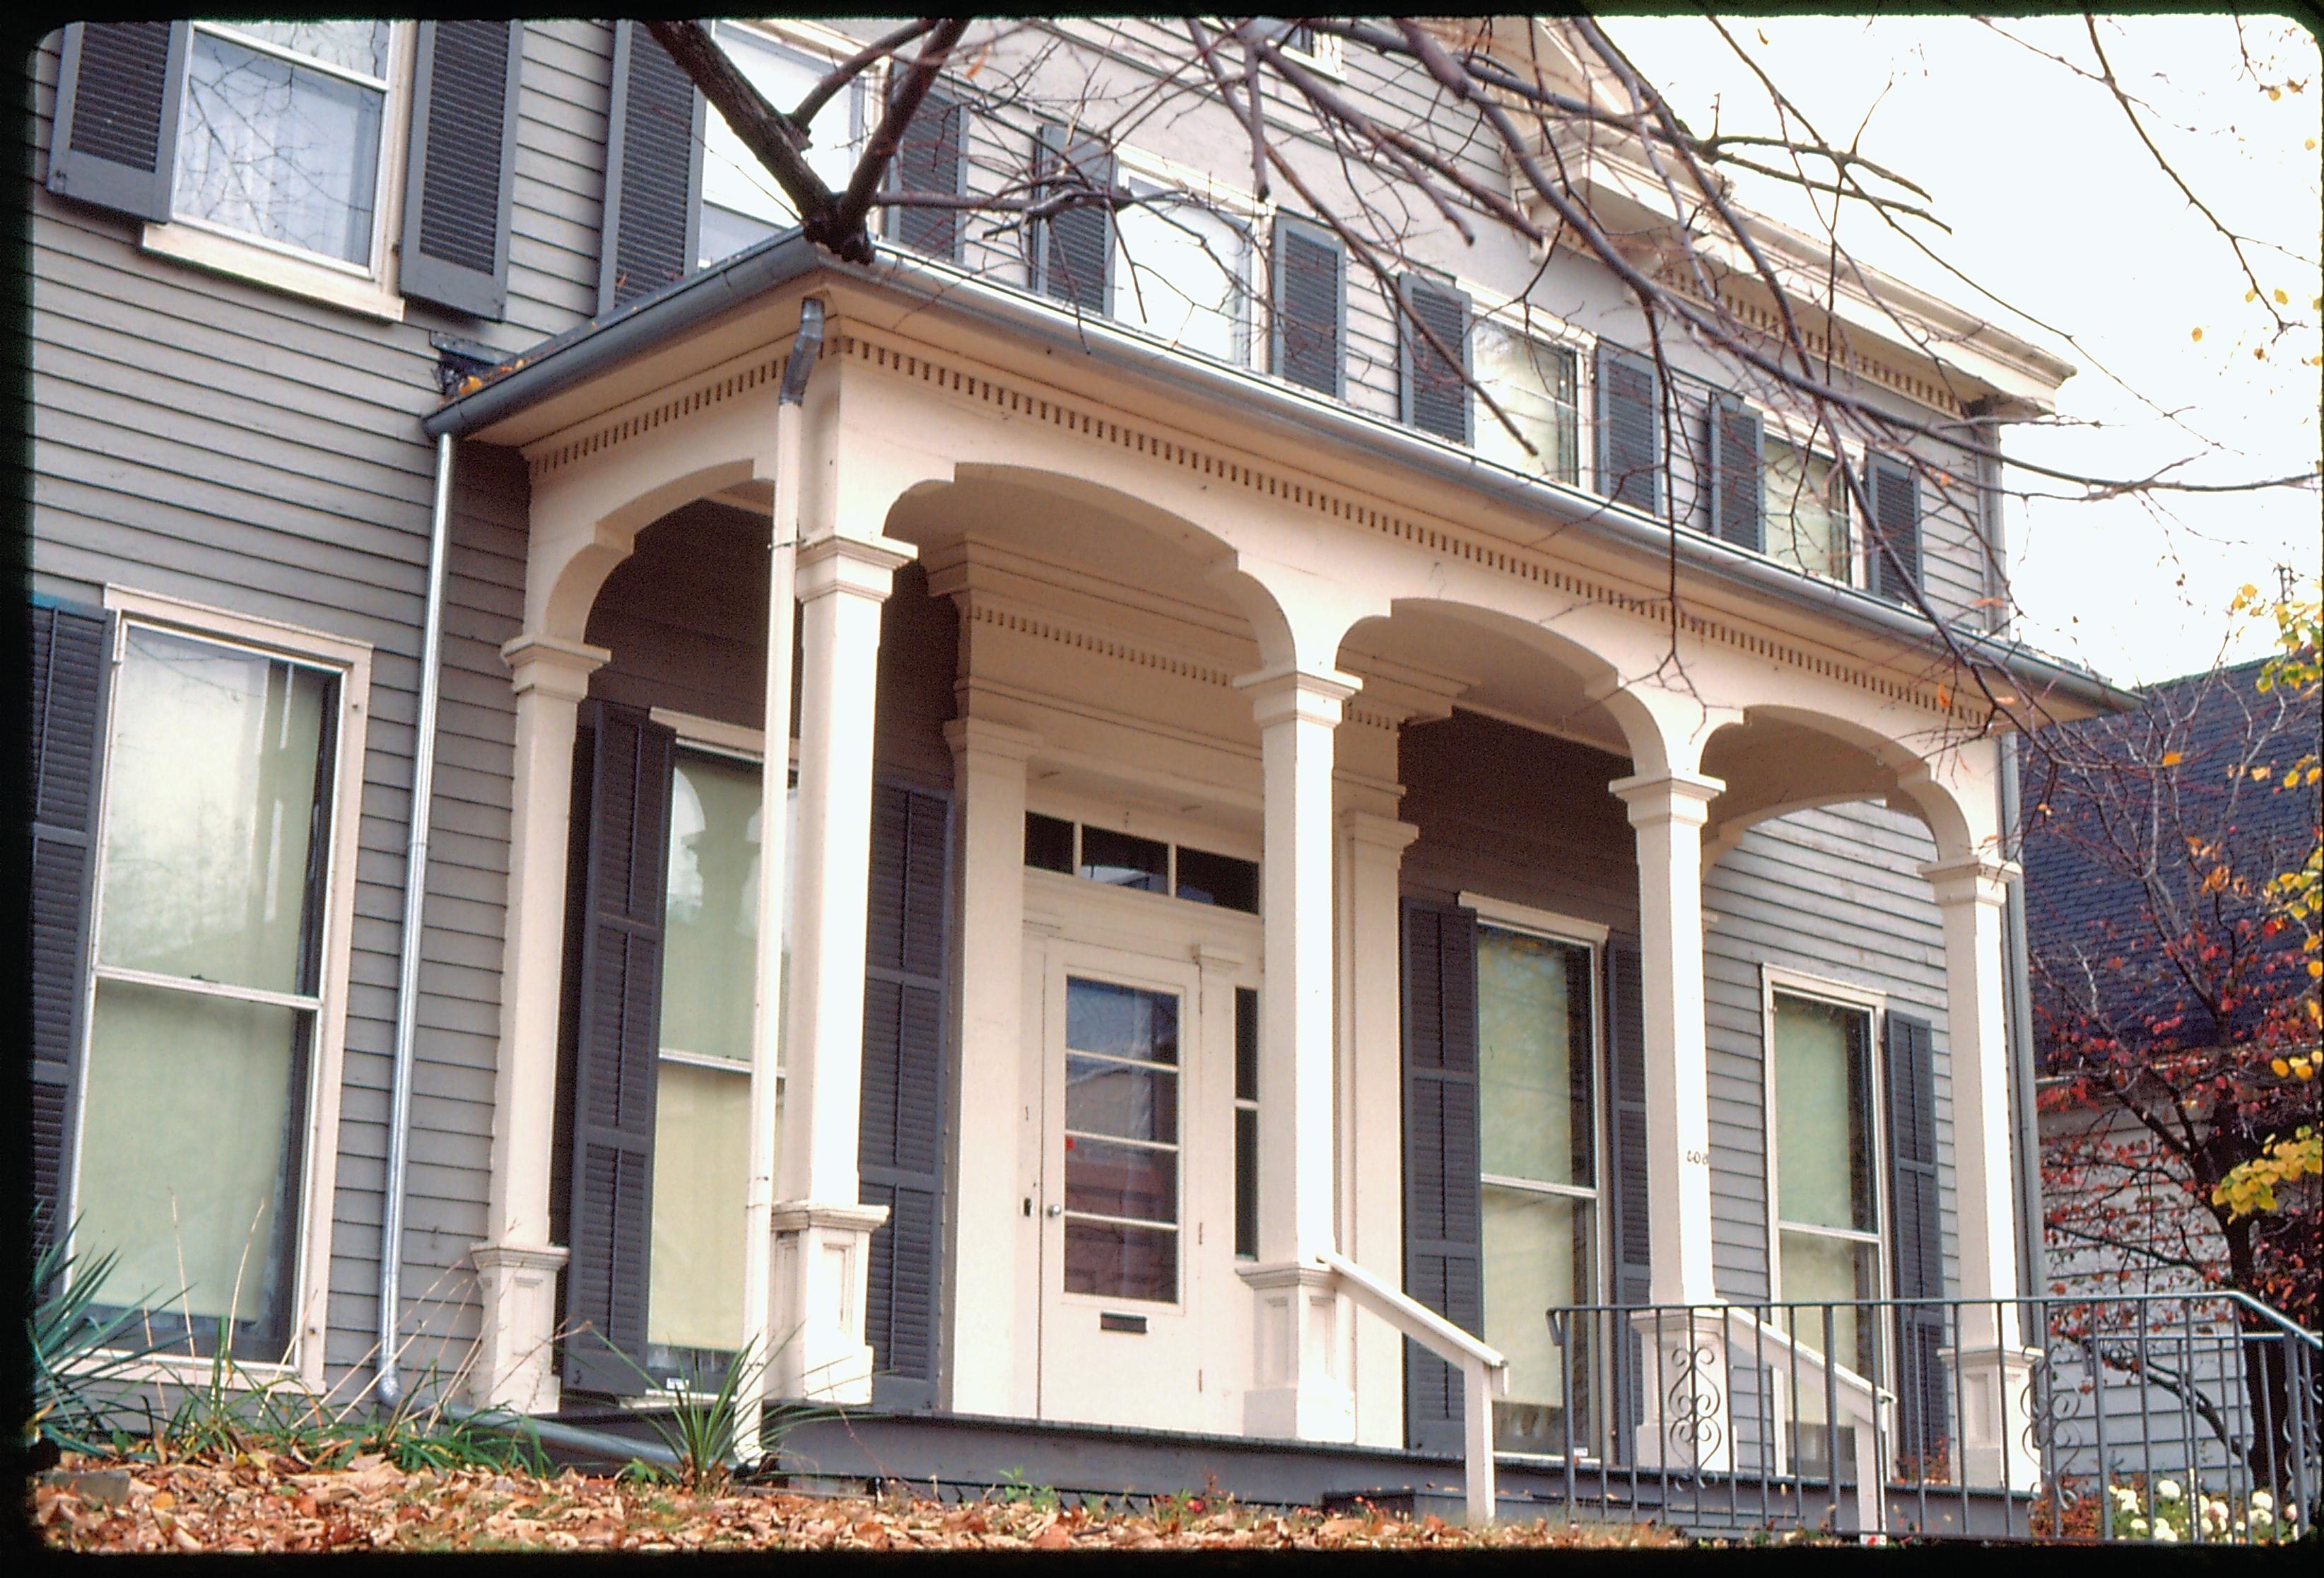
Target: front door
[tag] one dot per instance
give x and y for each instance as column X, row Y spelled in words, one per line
column 1143, row 1321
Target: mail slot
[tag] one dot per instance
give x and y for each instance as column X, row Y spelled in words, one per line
column 1108, row 1321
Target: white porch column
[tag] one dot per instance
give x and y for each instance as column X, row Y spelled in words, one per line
column 986, row 1269
column 1300, row 1385
column 822, row 1232
column 516, row 1265
column 1371, row 1096
column 1995, row 1370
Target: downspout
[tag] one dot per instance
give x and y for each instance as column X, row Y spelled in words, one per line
column 390, row 1380
column 774, row 883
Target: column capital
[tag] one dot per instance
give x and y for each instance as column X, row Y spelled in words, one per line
column 975, row 736
column 511, row 1255
column 1370, row 832
column 1283, row 690
column 799, row 1215
column 1658, row 798
column 553, row 666
column 1971, row 879
column 861, row 567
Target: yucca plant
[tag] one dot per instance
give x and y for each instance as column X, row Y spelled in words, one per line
column 700, row 1431
column 85, row 1358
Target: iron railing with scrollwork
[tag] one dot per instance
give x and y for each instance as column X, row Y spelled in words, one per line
column 2188, row 1418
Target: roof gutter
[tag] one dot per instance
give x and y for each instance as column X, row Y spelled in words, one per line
column 574, row 358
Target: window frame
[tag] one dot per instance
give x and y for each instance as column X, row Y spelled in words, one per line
column 348, row 662
column 1773, row 981
column 1516, row 318
column 1839, row 455
column 370, row 289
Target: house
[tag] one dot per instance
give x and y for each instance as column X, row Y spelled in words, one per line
column 1230, row 787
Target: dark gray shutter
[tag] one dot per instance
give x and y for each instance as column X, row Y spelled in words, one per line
column 458, row 182
column 1895, row 550
column 115, row 139
column 1626, row 1176
column 653, row 171
column 1077, row 247
column 1443, row 1255
column 1737, row 494
column 615, row 1032
column 1310, row 275
column 1629, row 430
column 1915, row 1249
column 1436, row 392
column 900, row 1153
column 931, row 157
column 65, row 711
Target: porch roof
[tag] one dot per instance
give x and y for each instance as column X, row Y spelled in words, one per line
column 600, row 344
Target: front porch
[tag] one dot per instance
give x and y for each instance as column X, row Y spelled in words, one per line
column 1106, row 963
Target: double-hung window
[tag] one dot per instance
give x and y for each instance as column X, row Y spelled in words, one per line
column 198, row 1086
column 1827, row 1193
column 1185, row 274
column 1536, row 1037
column 1536, row 382
column 740, row 203
column 1806, row 511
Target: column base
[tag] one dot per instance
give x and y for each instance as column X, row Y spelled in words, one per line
column 1686, row 1425
column 516, row 1352
column 1304, row 1355
column 821, row 1268
column 1993, row 1442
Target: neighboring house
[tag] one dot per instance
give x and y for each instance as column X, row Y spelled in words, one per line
column 1233, row 819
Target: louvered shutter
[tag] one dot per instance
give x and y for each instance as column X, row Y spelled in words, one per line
column 1629, row 430
column 1436, row 392
column 1444, row 1254
column 653, row 171
column 459, row 180
column 64, row 710
column 1310, row 276
column 1915, row 1249
column 623, row 787
column 900, row 1153
column 1895, row 547
column 1077, row 246
column 114, row 142
column 1736, row 492
column 1628, row 1174
column 932, row 158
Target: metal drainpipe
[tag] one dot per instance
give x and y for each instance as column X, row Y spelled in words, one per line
column 774, row 875
column 390, row 1381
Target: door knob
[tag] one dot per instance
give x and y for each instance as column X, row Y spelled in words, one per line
column 1056, row 1211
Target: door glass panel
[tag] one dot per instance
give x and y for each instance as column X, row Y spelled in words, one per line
column 1121, row 1142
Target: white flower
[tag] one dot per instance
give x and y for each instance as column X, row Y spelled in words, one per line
column 2262, row 1500
column 2165, row 1534
column 2123, row 1496
column 2261, row 1517
column 2216, row 1512
column 2138, row 1526
column 2166, row 1489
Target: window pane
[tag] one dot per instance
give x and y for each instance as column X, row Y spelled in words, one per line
column 710, row 962
column 1218, row 878
column 1820, row 1271
column 1823, row 1152
column 702, row 1161
column 1109, row 1179
column 1122, row 1099
column 725, row 233
column 352, row 46
column 732, row 178
column 217, row 767
column 1181, row 274
column 1112, row 1261
column 1049, row 842
column 1533, row 1068
column 1807, row 520
column 1120, row 861
column 1246, row 1137
column 190, row 1154
column 1246, row 1044
column 1534, row 383
column 1537, row 1257
column 1121, row 1021
column 278, row 151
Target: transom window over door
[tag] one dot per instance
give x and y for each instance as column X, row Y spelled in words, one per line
column 1121, row 1142
column 1827, row 1192
column 206, row 987
column 1538, row 1165
column 279, row 137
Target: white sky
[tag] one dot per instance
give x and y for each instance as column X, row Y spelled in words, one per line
column 2057, row 208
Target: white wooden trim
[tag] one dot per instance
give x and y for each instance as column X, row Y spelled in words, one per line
column 732, row 739
column 318, row 1162
column 1564, row 927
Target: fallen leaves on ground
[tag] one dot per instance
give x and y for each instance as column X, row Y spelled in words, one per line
column 258, row 1501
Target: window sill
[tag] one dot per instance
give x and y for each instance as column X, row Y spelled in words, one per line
column 207, row 249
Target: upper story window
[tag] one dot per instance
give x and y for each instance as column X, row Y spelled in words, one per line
column 1536, row 384
column 1185, row 274
column 740, row 203
column 280, row 135
column 1806, row 513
